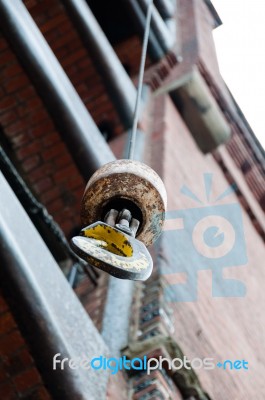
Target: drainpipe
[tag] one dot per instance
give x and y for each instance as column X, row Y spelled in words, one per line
column 161, row 31
column 115, row 78
column 154, row 48
column 48, row 313
column 85, row 142
column 166, row 8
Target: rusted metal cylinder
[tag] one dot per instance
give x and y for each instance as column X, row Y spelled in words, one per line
column 127, row 184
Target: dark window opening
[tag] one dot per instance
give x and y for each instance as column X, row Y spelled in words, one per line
column 107, row 130
column 113, row 18
column 128, row 68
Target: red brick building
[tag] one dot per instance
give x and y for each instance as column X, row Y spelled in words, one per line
column 67, row 82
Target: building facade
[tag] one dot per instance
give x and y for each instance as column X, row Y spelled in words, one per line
column 68, row 78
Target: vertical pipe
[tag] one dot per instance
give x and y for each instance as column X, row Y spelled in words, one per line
column 49, row 314
column 163, row 34
column 114, row 76
column 154, row 48
column 166, row 8
column 84, row 140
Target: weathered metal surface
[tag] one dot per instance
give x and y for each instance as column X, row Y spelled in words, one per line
column 165, row 38
column 166, row 8
column 113, row 240
column 123, row 221
column 46, row 308
column 138, row 17
column 127, row 180
column 113, row 251
column 114, row 76
column 85, row 142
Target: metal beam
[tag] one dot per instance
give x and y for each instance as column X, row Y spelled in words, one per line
column 48, row 312
column 161, row 31
column 154, row 48
column 114, row 76
column 50, row 231
column 166, row 8
column 84, row 140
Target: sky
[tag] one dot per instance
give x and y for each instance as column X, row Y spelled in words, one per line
column 240, row 46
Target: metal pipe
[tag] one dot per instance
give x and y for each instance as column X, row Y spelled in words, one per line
column 161, row 31
column 166, row 8
column 48, row 313
column 154, row 48
column 140, row 81
column 84, row 140
column 114, row 76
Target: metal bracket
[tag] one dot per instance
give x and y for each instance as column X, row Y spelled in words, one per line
column 112, row 250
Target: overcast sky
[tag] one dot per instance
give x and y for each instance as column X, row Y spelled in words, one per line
column 240, row 44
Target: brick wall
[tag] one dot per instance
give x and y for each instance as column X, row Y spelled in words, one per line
column 197, row 49
column 39, row 152
column 19, row 377
column 239, row 146
column 209, row 326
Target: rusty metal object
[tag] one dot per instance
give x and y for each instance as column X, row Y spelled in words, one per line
column 131, row 185
column 113, row 251
column 123, row 221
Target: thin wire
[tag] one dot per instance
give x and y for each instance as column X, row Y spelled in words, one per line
column 140, row 82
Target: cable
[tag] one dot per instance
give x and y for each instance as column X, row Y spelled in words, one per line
column 140, row 82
